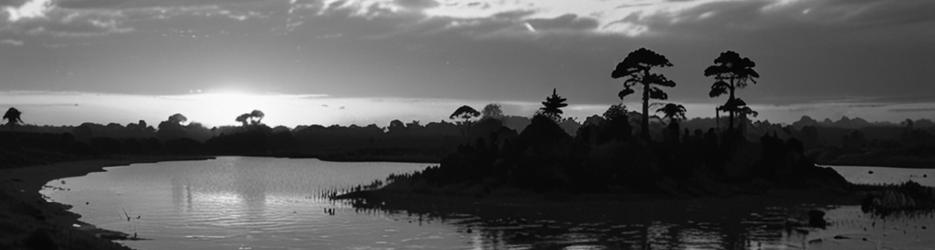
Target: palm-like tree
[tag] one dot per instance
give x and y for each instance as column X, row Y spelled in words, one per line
column 636, row 70
column 552, row 106
column 12, row 116
column 672, row 112
column 731, row 72
column 465, row 113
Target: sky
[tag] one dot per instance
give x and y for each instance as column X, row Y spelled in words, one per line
column 369, row 61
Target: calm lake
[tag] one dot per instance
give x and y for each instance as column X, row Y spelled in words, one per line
column 272, row 203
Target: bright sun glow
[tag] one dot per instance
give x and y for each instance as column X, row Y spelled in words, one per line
column 226, row 105
column 222, row 106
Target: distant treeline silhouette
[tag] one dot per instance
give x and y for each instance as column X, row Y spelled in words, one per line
column 846, row 141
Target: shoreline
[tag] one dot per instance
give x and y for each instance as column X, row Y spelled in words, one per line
column 27, row 220
column 416, row 160
column 918, row 164
column 593, row 208
column 870, row 166
column 346, row 158
column 882, row 199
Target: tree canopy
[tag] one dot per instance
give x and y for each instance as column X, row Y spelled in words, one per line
column 465, row 113
column 672, row 111
column 552, row 106
column 13, row 116
column 731, row 72
column 255, row 117
column 177, row 119
column 492, row 111
column 636, row 69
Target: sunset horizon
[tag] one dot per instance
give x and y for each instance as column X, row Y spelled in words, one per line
column 467, row 124
column 812, row 54
column 291, row 110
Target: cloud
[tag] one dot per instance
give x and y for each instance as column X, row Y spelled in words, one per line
column 44, row 17
column 529, row 27
column 416, row 4
column 482, row 18
column 70, row 23
column 138, row 4
column 840, row 14
column 29, row 10
column 913, row 110
column 570, row 22
column 651, row 17
column 83, row 18
column 12, row 42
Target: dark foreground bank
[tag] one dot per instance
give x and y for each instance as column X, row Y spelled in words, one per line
column 27, row 221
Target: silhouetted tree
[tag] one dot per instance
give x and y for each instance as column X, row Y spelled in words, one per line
column 635, row 68
column 747, row 111
column 673, row 112
column 12, row 116
column 465, row 113
column 618, row 123
column 396, row 126
column 243, row 119
column 177, row 119
column 414, row 125
column 730, row 72
column 615, row 111
column 172, row 128
column 492, row 111
column 743, row 112
column 552, row 106
column 257, row 116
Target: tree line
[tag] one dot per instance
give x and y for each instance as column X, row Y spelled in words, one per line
column 432, row 141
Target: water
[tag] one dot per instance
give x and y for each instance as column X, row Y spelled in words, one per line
column 268, row 203
column 876, row 175
column 239, row 203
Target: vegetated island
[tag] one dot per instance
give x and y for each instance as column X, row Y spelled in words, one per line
column 605, row 160
column 543, row 169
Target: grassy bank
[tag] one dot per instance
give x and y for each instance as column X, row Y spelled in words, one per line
column 27, row 221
